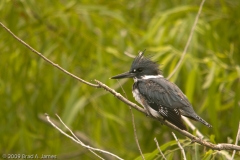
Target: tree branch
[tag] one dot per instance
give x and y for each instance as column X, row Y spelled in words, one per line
column 189, row 40
column 190, row 125
column 180, row 146
column 134, row 127
column 237, row 139
column 159, row 149
column 75, row 139
column 80, row 135
column 182, row 57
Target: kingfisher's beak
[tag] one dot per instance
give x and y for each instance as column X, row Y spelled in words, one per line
column 124, row 75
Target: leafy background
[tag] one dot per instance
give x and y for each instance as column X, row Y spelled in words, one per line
column 89, row 38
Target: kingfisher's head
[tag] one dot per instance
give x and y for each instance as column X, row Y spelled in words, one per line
column 141, row 66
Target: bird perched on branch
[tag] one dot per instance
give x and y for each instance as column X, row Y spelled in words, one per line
column 157, row 95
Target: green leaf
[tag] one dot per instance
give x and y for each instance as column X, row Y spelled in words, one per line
column 191, row 83
column 209, row 77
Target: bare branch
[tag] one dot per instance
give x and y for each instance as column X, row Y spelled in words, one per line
column 189, row 40
column 189, row 123
column 79, row 134
column 159, row 149
column 182, row 57
column 180, row 146
column 75, row 139
column 76, row 136
column 129, row 54
column 134, row 127
column 120, row 97
column 135, row 133
column 237, row 139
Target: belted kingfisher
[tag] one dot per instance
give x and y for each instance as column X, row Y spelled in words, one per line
column 157, row 95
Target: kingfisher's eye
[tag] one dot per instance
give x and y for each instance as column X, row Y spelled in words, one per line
column 139, row 69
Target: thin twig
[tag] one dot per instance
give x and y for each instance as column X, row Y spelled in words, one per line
column 75, row 139
column 68, row 129
column 180, row 146
column 182, row 57
column 189, row 40
column 225, row 154
column 237, row 139
column 189, row 123
column 46, row 59
column 79, row 134
column 159, row 149
column 134, row 127
column 129, row 54
column 135, row 133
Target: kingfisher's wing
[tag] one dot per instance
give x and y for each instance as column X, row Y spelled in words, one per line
column 162, row 93
column 166, row 98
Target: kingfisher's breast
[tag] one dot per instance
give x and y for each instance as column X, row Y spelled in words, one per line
column 136, row 95
column 142, row 101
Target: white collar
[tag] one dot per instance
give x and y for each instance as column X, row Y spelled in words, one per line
column 152, row 76
column 148, row 77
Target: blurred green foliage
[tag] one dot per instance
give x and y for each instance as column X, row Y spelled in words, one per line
column 89, row 38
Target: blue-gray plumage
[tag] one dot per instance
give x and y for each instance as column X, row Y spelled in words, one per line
column 157, row 95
